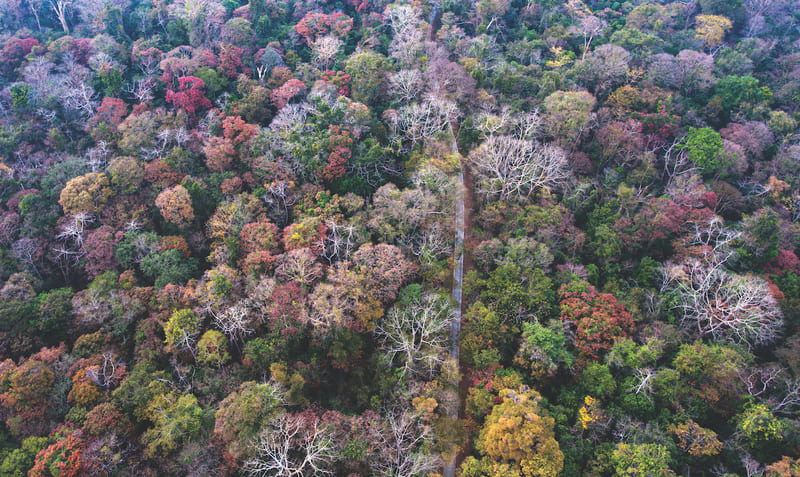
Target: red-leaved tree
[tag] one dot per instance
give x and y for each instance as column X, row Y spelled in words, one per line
column 189, row 96
column 597, row 318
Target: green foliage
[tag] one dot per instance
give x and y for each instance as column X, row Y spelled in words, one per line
column 182, row 329
column 597, row 380
column 20, row 95
column 168, row 267
column 641, row 460
column 20, row 461
column 704, row 148
column 176, row 419
column 732, row 91
column 53, row 308
column 760, row 430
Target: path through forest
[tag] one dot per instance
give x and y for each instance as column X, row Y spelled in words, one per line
column 462, row 209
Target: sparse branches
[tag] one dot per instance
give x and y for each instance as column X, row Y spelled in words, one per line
column 417, row 335
column 716, row 302
column 422, row 121
column 508, row 167
column 402, row 445
column 235, row 322
column 62, row 9
column 324, row 50
column 757, row 381
column 589, row 27
column 108, row 374
column 406, row 85
column 291, row 446
column 407, row 32
column 339, row 241
column 644, row 382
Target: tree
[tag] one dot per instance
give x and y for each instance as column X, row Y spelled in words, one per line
column 291, row 89
column 598, row 318
column 708, row 377
column 62, row 9
column 64, row 457
column 704, row 149
column 243, row 413
column 568, row 114
column 88, row 193
column 189, row 96
column 543, row 349
column 509, row 167
column 182, row 330
column 126, row 174
column 175, row 204
column 407, row 33
column 293, row 445
column 589, row 27
column 696, row 440
column 212, row 349
column 422, row 121
column 367, row 71
column 517, row 437
column 176, row 419
column 641, row 460
column 403, row 442
column 717, row 303
column 170, row 266
column 416, row 334
column 712, row 29
column 382, row 269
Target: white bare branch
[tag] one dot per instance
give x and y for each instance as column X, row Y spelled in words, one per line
column 417, row 336
column 292, row 446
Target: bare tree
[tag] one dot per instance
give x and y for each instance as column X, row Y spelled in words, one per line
column 324, row 50
column 27, row 251
column 589, row 27
column 752, row 467
column 62, row 9
column 291, row 446
column 421, row 121
column 406, row 85
column 644, row 382
column 508, row 167
column 403, row 443
column 339, row 241
column 107, row 374
column 716, row 302
column 407, row 32
column 417, row 335
column 235, row 322
column 759, row 380
column 789, row 400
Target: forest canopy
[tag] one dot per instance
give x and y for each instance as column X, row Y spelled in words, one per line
column 416, row 238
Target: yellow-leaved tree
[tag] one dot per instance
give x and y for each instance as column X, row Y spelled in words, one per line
column 87, row 193
column 517, row 439
column 712, row 29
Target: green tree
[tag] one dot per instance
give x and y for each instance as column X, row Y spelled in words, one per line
column 168, row 267
column 182, row 329
column 243, row 413
column 176, row 419
column 367, row 71
column 641, row 460
column 704, row 148
column 20, row 461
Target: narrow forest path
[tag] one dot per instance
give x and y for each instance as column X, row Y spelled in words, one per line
column 463, row 207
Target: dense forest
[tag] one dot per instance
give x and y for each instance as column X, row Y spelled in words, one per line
column 231, row 238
